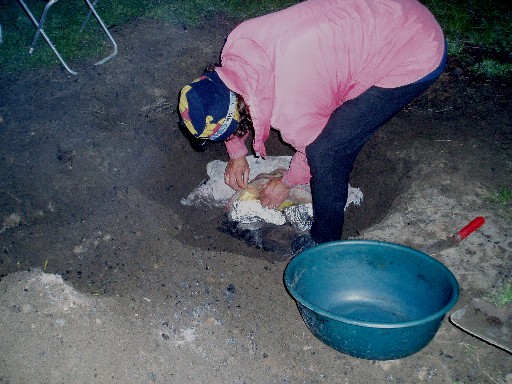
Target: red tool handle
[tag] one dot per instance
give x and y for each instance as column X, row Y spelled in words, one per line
column 470, row 228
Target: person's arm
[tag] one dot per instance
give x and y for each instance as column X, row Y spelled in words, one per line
column 276, row 191
column 248, row 71
column 298, row 172
column 237, row 170
column 236, row 147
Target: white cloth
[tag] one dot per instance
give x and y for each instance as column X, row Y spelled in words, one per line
column 214, row 192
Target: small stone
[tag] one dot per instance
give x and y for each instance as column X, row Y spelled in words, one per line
column 457, row 72
column 26, row 308
column 230, row 288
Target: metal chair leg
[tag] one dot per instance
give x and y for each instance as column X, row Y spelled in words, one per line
column 105, row 29
column 40, row 24
column 40, row 31
column 86, row 20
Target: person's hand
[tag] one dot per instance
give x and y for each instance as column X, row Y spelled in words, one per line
column 274, row 193
column 236, row 174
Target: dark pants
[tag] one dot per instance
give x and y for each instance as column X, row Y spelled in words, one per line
column 331, row 156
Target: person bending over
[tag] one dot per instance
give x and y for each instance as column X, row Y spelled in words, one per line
column 326, row 74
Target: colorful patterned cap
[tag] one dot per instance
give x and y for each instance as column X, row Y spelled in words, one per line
column 208, row 108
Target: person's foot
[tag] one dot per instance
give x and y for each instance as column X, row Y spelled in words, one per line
column 301, row 243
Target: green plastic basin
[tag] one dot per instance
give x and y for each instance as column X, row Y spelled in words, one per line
column 371, row 299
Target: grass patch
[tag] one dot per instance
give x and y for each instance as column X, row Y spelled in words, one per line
column 502, row 197
column 479, row 32
column 63, row 26
column 492, row 68
column 65, row 19
column 501, row 200
column 475, row 22
column 502, row 296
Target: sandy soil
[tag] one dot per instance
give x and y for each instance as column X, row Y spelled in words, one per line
column 107, row 278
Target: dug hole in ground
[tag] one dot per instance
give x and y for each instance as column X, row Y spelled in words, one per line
column 107, row 278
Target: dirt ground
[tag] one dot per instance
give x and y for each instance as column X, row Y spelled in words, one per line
column 107, row 278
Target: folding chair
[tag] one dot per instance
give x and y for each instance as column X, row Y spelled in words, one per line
column 40, row 31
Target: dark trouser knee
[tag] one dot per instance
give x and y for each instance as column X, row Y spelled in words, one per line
column 329, row 189
column 331, row 156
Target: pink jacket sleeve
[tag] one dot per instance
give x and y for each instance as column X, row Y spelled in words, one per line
column 236, row 147
column 298, row 172
column 247, row 70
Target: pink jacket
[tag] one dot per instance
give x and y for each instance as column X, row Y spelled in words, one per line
column 296, row 66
